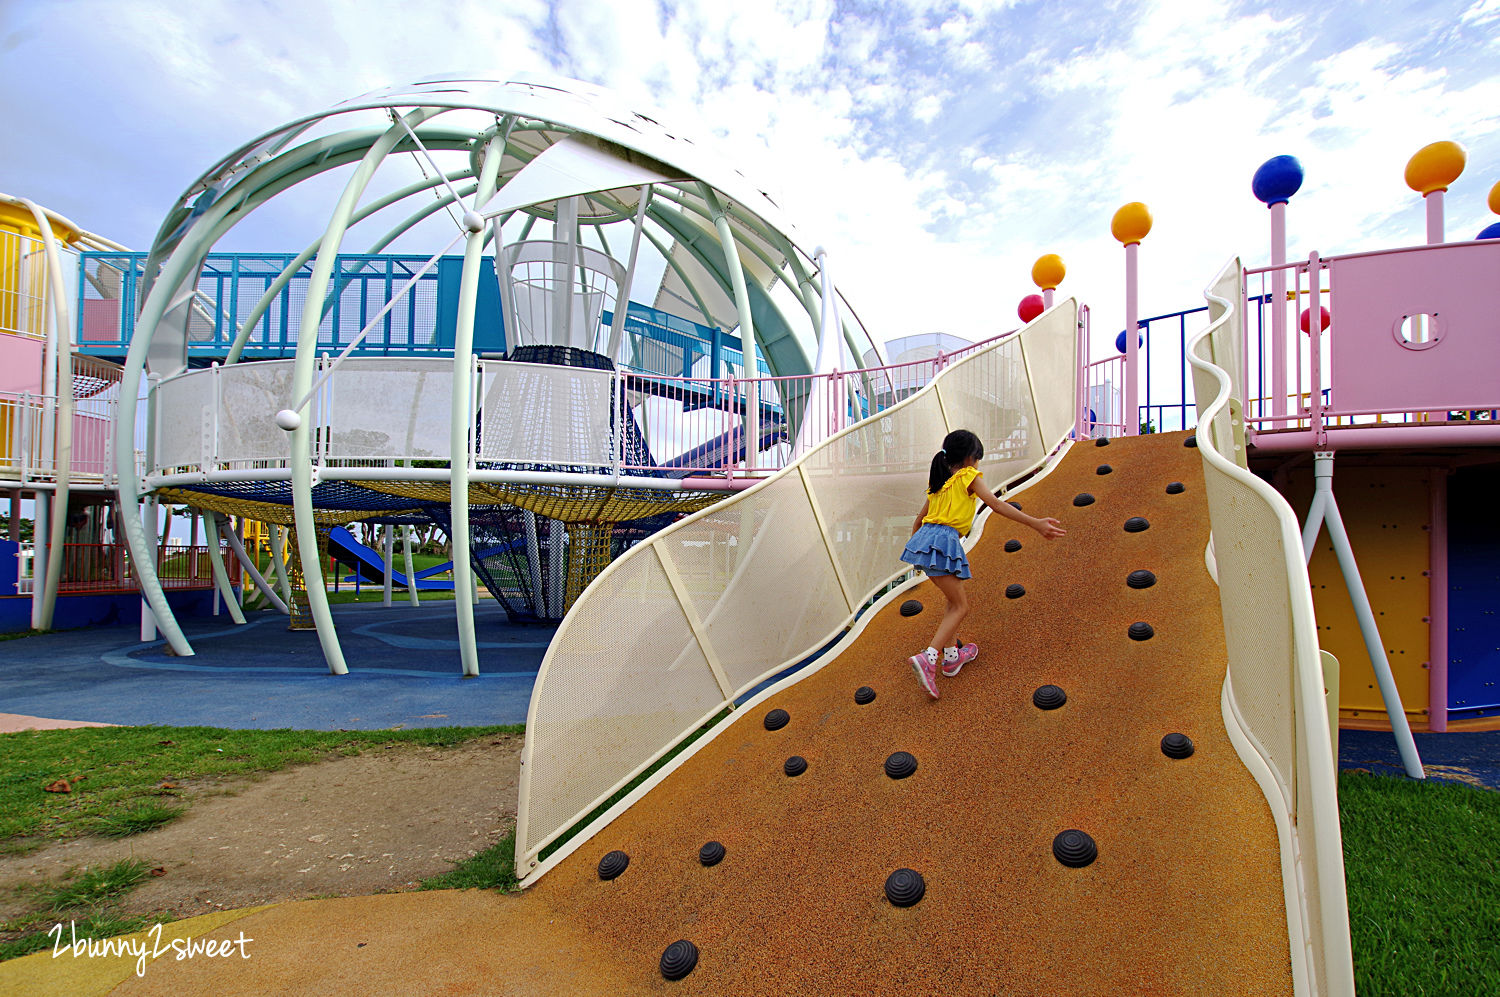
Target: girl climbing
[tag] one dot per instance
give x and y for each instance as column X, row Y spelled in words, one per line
column 946, row 515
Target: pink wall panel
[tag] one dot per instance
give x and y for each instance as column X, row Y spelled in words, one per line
column 1374, row 371
column 20, row 364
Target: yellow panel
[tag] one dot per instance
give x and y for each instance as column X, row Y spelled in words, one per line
column 1386, row 511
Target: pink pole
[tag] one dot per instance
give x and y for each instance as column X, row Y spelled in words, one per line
column 1080, row 383
column 1434, row 238
column 1437, row 605
column 1278, row 312
column 1434, row 218
column 1132, row 414
column 1047, row 297
column 1315, row 360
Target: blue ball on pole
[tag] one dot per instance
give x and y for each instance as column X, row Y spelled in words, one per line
column 1140, row 340
column 1277, row 180
column 1491, row 231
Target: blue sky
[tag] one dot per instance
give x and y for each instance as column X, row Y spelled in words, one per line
column 936, row 148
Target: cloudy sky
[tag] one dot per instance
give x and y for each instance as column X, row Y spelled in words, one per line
column 936, row 147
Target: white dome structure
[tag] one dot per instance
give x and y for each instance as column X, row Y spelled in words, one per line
column 535, row 393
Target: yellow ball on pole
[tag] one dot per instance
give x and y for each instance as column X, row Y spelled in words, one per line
column 1435, row 166
column 1131, row 223
column 1048, row 272
column 1495, row 199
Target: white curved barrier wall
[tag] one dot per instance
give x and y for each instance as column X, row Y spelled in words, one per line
column 1273, row 696
column 687, row 621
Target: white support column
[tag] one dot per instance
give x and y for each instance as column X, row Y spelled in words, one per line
column 147, row 514
column 390, row 555
column 278, row 562
column 747, row 325
column 221, row 575
column 301, row 461
column 1325, row 510
column 622, row 298
column 247, row 563
column 461, row 440
column 411, row 574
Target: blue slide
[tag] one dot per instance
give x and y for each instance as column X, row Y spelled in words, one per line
column 371, row 566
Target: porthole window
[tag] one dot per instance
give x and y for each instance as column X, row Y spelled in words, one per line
column 1419, row 331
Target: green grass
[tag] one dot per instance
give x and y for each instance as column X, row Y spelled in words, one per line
column 87, row 898
column 1422, row 864
column 128, row 779
column 35, row 936
column 92, row 887
column 135, row 819
column 492, row 869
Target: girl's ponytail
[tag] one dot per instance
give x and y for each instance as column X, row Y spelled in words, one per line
column 958, row 447
column 939, row 473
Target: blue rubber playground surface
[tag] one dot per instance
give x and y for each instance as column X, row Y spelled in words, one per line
column 403, row 672
column 1472, row 758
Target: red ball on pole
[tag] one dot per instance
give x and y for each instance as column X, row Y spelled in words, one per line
column 1323, row 319
column 1030, row 307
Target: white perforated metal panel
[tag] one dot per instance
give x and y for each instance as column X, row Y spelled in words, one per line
column 764, row 578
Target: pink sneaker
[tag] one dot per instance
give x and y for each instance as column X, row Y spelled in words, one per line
column 926, row 672
column 966, row 654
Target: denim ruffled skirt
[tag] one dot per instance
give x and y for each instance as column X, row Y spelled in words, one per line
column 937, row 550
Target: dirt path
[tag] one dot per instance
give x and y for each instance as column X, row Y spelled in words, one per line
column 380, row 821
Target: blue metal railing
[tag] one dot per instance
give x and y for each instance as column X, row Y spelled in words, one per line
column 422, row 323
column 1168, row 411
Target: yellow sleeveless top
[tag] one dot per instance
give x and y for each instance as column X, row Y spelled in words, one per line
column 952, row 505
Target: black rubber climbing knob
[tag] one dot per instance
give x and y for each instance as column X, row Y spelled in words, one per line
column 1014, row 591
column 1177, row 745
column 1048, row 697
column 679, row 959
column 613, row 864
column 911, row 607
column 777, row 719
column 1074, row 848
column 864, row 695
column 1103, row 469
column 1102, row 441
column 1136, row 524
column 1176, row 488
column 1083, row 498
column 1191, row 441
column 900, row 765
column 1141, row 579
column 905, row 887
column 795, row 766
column 1011, row 546
column 1141, row 631
column 1016, row 505
column 711, row 853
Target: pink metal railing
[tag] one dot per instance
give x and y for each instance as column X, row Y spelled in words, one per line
column 1408, row 343
column 714, row 439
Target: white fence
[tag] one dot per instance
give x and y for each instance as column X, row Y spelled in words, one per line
column 1274, row 704
column 719, row 602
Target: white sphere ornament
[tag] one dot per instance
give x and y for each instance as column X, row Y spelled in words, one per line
column 473, row 222
column 288, row 419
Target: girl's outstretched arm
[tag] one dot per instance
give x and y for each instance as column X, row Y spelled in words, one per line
column 1046, row 525
column 921, row 513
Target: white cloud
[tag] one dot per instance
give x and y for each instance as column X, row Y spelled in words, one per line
column 933, row 155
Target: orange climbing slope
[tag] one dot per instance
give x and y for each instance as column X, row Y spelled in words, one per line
column 1185, row 895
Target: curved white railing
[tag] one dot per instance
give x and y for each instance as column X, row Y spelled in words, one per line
column 1273, row 696
column 696, row 616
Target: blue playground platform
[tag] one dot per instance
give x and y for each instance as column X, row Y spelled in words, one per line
column 403, row 672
